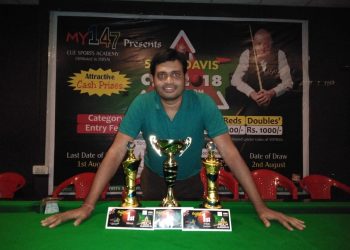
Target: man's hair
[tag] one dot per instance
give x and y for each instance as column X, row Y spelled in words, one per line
column 168, row 55
column 264, row 32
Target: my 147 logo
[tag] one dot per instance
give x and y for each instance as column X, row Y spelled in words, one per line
column 106, row 38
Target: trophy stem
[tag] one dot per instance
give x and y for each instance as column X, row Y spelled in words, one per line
column 170, row 148
column 212, row 199
column 130, row 199
column 130, row 166
column 212, row 166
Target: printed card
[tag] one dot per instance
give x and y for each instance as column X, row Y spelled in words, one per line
column 130, row 218
column 206, row 220
column 167, row 218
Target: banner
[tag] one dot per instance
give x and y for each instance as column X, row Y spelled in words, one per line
column 98, row 63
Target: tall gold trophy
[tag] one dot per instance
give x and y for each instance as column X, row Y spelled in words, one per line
column 170, row 148
column 212, row 167
column 130, row 167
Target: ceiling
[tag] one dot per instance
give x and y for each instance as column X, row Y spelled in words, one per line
column 299, row 3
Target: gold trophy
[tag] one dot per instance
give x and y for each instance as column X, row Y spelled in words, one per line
column 130, row 167
column 212, row 167
column 170, row 148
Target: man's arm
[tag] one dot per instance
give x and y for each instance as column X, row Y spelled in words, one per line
column 284, row 73
column 106, row 170
column 261, row 97
column 233, row 159
column 240, row 71
column 108, row 167
column 238, row 167
column 264, row 97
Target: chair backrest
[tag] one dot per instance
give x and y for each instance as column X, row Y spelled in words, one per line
column 10, row 183
column 267, row 182
column 319, row 186
column 82, row 183
column 225, row 179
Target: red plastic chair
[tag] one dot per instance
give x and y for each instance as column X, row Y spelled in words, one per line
column 82, row 183
column 10, row 183
column 225, row 179
column 267, row 182
column 319, row 186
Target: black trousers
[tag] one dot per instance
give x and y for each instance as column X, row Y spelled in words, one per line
column 154, row 188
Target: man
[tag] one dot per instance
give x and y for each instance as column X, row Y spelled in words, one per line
column 171, row 112
column 262, row 75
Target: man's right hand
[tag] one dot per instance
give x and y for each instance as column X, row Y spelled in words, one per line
column 78, row 215
column 257, row 97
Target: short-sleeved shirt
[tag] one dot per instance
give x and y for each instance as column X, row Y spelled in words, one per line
column 197, row 113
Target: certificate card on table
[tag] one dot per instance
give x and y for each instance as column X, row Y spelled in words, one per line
column 130, row 218
column 206, row 220
column 168, row 218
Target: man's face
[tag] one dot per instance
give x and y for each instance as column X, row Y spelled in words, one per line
column 262, row 44
column 169, row 80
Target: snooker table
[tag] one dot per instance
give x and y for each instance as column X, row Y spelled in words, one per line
column 327, row 228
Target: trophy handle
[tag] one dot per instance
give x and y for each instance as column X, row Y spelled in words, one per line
column 187, row 143
column 154, row 142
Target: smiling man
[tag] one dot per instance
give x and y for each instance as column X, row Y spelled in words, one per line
column 171, row 112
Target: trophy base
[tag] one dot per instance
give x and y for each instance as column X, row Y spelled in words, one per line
column 169, row 200
column 211, row 205
column 131, row 203
column 49, row 205
column 169, row 203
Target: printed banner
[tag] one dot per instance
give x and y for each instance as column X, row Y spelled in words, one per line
column 99, row 63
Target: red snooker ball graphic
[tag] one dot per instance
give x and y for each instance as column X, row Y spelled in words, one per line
column 130, row 217
column 205, row 218
column 196, row 79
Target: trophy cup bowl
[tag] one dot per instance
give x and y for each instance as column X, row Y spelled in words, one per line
column 130, row 167
column 170, row 148
column 212, row 167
